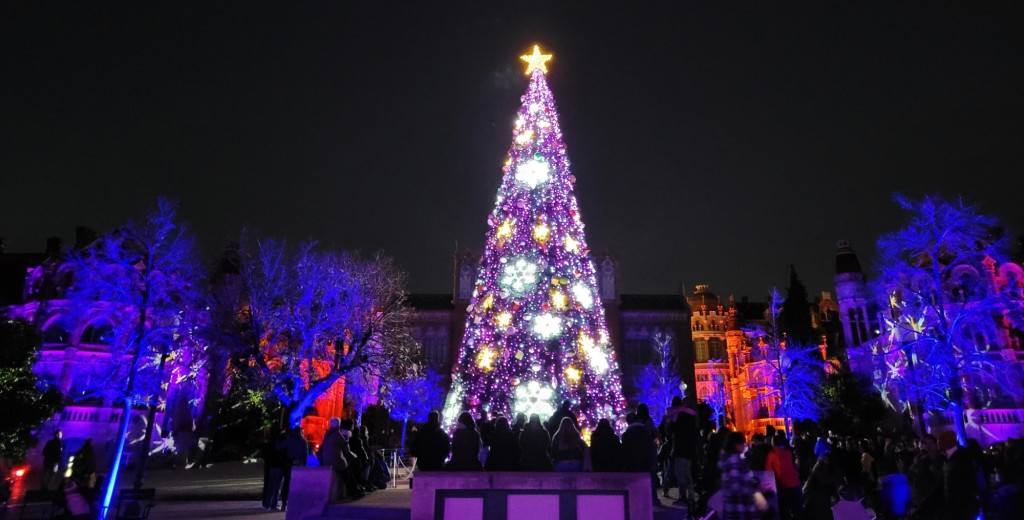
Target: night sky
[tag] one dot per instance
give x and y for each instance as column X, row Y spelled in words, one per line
column 712, row 144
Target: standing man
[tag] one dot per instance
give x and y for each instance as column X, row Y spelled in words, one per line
column 53, row 460
column 959, row 480
column 925, row 476
column 684, row 452
column 295, row 452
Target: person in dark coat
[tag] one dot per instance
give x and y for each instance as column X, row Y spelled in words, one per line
column 273, row 470
column 294, row 451
column 567, row 447
column 431, row 445
column 556, row 419
column 757, row 452
column 358, row 458
column 959, row 480
column 533, row 444
column 925, row 476
column 53, row 460
column 683, row 429
column 332, row 455
column 638, row 449
column 465, row 446
column 520, row 423
column 504, row 455
column 605, row 448
column 822, row 487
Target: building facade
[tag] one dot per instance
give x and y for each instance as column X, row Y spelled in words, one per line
column 877, row 338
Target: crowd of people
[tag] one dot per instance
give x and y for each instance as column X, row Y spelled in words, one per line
column 818, row 476
column 345, row 448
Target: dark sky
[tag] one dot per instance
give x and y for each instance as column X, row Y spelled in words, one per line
column 712, row 143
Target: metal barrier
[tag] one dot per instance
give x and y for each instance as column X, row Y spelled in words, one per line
column 398, row 465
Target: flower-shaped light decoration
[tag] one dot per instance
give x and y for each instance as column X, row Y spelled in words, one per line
column 534, row 172
column 534, row 397
column 597, row 359
column 547, row 326
column 583, row 295
column 519, row 276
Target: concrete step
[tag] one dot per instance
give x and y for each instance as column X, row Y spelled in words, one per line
column 354, row 511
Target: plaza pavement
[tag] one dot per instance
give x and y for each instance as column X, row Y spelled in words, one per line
column 232, row 491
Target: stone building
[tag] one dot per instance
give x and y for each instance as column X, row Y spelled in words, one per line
column 76, row 353
column 871, row 339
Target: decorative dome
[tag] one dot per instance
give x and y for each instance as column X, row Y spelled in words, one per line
column 703, row 296
column 846, row 259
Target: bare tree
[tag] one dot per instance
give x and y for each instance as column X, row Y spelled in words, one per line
column 793, row 372
column 658, row 382
column 413, row 395
column 947, row 343
column 145, row 282
column 717, row 399
column 313, row 316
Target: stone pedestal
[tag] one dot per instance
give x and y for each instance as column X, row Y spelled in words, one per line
column 531, row 496
column 310, row 492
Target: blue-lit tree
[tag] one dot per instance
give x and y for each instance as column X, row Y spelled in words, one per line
column 793, row 372
column 361, row 389
column 145, row 281
column 658, row 382
column 717, row 399
column 951, row 307
column 413, row 395
column 313, row 316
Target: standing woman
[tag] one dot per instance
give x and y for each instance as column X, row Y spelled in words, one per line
column 533, row 444
column 605, row 448
column 504, row 453
column 567, row 447
column 465, row 446
column 738, row 483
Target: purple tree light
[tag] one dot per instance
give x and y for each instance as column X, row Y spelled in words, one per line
column 535, row 329
column 413, row 396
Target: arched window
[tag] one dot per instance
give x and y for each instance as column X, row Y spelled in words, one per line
column 716, row 348
column 701, row 347
column 56, row 332
column 98, row 334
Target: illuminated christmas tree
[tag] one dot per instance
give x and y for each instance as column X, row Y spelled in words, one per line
column 535, row 330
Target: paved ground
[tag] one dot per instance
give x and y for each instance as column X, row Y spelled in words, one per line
column 232, row 491
column 237, row 510
column 232, row 481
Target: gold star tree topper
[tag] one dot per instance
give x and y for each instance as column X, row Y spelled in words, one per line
column 536, row 61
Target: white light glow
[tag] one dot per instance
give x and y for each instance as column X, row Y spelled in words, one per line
column 533, row 173
column 534, row 398
column 519, row 276
column 547, row 326
column 583, row 295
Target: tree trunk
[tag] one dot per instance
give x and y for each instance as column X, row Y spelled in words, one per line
column 126, row 415
column 957, row 399
column 140, row 468
column 405, row 423
column 115, row 467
